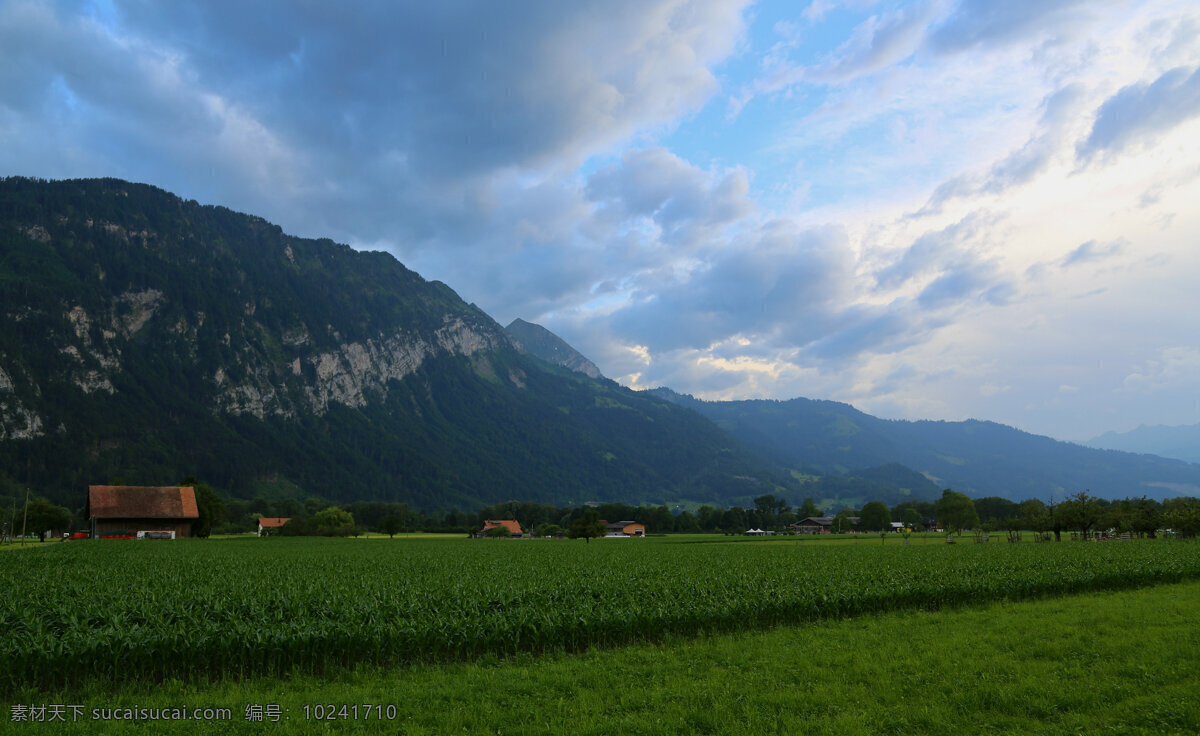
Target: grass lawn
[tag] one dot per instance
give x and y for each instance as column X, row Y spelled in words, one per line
column 1126, row 662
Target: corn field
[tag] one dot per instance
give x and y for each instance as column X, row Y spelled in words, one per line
column 106, row 613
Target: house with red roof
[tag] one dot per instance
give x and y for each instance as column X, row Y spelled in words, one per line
column 514, row 529
column 126, row 510
column 268, row 525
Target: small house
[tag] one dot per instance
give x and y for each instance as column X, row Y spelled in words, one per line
column 126, row 510
column 813, row 525
column 624, row 529
column 514, row 528
column 268, row 525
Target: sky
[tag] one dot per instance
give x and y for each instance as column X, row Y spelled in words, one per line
column 930, row 210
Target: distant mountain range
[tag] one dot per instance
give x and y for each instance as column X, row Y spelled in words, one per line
column 977, row 458
column 1182, row 443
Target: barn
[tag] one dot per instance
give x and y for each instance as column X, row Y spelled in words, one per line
column 134, row 509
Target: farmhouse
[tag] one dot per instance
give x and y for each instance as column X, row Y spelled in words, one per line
column 134, row 509
column 813, row 525
column 268, row 525
column 820, row 525
column 514, row 528
column 624, row 529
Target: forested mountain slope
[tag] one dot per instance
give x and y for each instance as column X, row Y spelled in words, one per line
column 144, row 338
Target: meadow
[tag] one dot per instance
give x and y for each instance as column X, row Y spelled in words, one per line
column 114, row 615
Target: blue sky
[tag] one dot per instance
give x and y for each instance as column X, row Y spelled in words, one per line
column 941, row 209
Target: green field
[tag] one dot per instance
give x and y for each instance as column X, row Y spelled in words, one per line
column 1125, row 662
column 119, row 614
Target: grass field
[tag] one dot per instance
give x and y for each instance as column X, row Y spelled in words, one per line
column 628, row 632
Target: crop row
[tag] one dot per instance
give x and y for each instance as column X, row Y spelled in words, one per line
column 119, row 612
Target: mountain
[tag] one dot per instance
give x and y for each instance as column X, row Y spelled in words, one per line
column 1182, row 443
column 144, row 338
column 540, row 342
column 977, row 458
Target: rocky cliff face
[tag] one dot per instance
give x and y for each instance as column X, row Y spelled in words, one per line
column 154, row 282
column 349, row 374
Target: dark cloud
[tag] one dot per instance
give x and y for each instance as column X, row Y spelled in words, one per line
column 358, row 122
column 1139, row 113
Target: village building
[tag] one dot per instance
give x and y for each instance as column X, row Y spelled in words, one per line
column 514, row 528
column 269, row 525
column 820, row 525
column 624, row 529
column 134, row 509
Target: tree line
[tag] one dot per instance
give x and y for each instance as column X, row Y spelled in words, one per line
column 953, row 511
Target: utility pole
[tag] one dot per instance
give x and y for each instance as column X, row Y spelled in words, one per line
column 25, row 517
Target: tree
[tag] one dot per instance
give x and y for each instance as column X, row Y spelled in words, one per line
column 843, row 522
column 391, row 525
column 875, row 517
column 498, row 532
column 329, row 522
column 41, row 516
column 911, row 519
column 1147, row 516
column 996, row 513
column 1034, row 515
column 686, row 523
column 808, row 509
column 1079, row 512
column 1182, row 515
column 586, row 527
column 956, row 511
column 333, row 522
column 210, row 506
column 769, row 505
column 547, row 530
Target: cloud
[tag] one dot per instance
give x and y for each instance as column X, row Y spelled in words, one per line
column 1093, row 251
column 936, row 250
column 777, row 281
column 1173, row 367
column 681, row 200
column 1139, row 113
column 361, row 123
column 1059, row 113
column 975, row 23
column 878, row 42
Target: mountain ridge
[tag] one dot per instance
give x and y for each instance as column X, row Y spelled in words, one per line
column 980, row 458
column 1179, row 442
column 544, row 344
column 146, row 338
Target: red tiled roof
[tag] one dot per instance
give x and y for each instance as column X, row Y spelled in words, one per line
column 509, row 524
column 269, row 522
column 142, row 502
